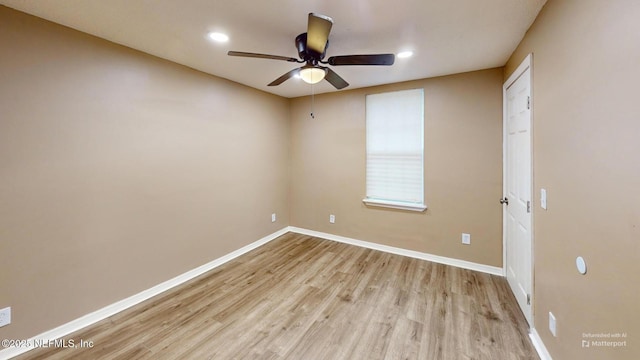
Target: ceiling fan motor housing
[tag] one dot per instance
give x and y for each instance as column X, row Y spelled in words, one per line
column 307, row 54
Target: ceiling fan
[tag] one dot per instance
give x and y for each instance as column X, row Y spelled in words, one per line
column 312, row 47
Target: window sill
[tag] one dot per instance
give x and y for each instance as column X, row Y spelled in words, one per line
column 395, row 205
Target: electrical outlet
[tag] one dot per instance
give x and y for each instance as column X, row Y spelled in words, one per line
column 332, row 219
column 466, row 239
column 273, row 217
column 552, row 324
column 5, row 316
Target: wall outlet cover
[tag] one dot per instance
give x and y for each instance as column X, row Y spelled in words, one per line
column 5, row 316
column 466, row 239
column 552, row 324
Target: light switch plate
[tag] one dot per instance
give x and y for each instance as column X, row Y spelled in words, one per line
column 543, row 198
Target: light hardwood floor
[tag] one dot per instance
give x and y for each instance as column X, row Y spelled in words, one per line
column 300, row 297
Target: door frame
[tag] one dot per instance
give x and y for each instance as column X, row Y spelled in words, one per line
column 527, row 63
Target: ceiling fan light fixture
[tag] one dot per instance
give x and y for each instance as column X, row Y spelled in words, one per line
column 312, row 75
column 405, row 54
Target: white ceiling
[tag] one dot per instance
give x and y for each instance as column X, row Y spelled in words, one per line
column 446, row 36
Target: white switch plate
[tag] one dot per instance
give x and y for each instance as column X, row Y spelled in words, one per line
column 5, row 316
column 273, row 217
column 552, row 324
column 332, row 219
column 543, row 198
column 466, row 239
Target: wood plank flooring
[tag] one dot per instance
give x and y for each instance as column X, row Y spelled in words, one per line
column 300, row 297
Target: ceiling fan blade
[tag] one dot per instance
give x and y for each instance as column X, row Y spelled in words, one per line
column 285, row 77
column 375, row 59
column 318, row 29
column 335, row 79
column 262, row 56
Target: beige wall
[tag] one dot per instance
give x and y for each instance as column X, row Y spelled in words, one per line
column 463, row 168
column 586, row 127
column 120, row 171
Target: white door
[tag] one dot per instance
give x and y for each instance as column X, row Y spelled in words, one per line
column 518, row 184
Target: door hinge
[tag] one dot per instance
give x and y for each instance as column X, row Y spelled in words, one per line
column 528, row 206
column 528, row 102
column 528, row 299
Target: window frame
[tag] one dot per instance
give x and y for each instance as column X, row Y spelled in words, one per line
column 392, row 203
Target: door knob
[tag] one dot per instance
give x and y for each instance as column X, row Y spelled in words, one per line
column 504, row 200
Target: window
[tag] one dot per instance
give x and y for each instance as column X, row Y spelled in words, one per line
column 395, row 150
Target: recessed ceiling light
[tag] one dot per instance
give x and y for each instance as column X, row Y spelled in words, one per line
column 219, row 37
column 405, row 54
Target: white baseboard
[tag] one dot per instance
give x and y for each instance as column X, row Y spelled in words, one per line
column 539, row 345
column 124, row 304
column 398, row 251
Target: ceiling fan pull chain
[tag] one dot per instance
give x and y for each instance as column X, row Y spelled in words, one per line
column 312, row 93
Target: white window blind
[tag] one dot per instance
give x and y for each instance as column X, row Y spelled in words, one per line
column 395, row 149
